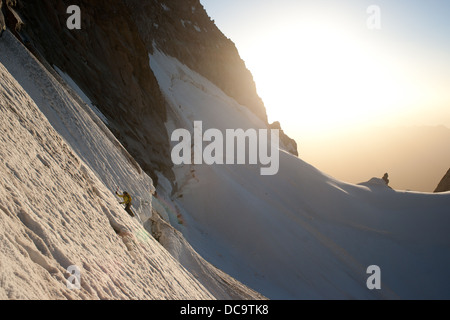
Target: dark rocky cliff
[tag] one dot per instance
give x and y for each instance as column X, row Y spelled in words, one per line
column 183, row 29
column 108, row 58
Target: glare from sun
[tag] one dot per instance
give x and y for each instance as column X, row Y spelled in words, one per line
column 319, row 77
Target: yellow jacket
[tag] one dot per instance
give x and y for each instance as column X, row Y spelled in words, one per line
column 126, row 198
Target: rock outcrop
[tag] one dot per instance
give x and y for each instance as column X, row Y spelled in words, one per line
column 289, row 143
column 444, row 185
column 2, row 19
column 9, row 17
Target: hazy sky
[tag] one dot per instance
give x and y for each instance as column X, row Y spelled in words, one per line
column 329, row 79
column 320, row 69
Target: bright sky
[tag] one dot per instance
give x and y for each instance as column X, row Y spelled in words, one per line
column 320, row 69
column 329, row 78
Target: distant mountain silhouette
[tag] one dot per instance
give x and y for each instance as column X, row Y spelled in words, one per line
column 444, row 185
column 415, row 156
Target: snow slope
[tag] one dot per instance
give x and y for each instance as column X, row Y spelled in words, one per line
column 60, row 166
column 78, row 124
column 300, row 234
column 49, row 201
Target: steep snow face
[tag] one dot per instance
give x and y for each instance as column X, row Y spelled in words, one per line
column 300, row 233
column 78, row 124
column 55, row 212
column 62, row 209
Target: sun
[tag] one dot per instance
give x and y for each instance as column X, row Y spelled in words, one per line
column 320, row 77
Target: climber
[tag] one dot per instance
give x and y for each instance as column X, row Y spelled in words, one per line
column 127, row 201
column 386, row 178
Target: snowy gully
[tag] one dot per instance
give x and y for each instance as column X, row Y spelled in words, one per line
column 213, row 153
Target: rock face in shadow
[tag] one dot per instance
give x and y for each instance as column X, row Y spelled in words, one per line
column 444, row 185
column 9, row 17
column 109, row 62
column 108, row 58
column 2, row 19
column 183, row 29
